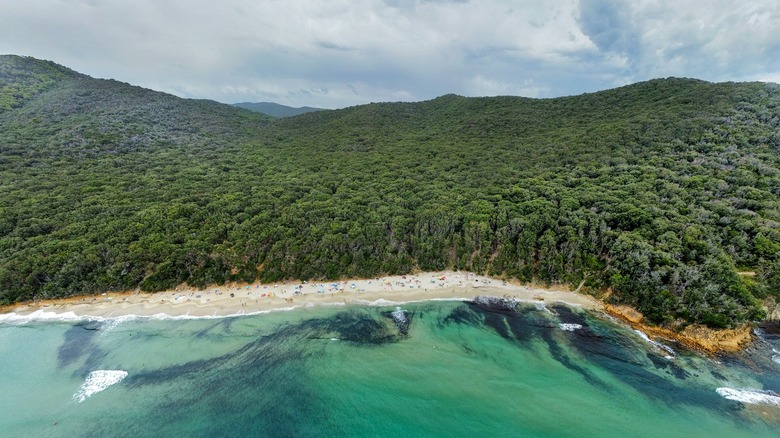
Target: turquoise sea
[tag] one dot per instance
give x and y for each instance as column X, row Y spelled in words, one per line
column 423, row 369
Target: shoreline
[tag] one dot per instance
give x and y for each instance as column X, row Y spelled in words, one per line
column 238, row 299
column 257, row 298
column 693, row 337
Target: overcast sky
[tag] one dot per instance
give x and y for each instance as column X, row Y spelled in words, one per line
column 337, row 53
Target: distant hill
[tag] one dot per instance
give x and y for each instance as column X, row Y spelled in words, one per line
column 275, row 109
column 661, row 193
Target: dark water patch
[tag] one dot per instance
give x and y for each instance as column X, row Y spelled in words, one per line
column 221, row 325
column 528, row 322
column 273, row 351
column 520, row 328
column 244, row 400
column 401, row 318
column 93, row 361
column 470, row 314
column 568, row 316
column 463, row 315
column 613, row 351
column 90, row 325
column 523, row 324
column 495, row 304
column 78, row 343
column 602, row 345
column 609, row 345
column 270, row 371
column 596, row 341
column 718, row 375
column 263, row 353
column 355, row 326
column 497, row 322
column 754, row 362
column 662, row 363
column 559, row 354
column 759, row 362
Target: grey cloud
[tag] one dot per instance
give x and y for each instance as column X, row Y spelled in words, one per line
column 341, row 53
column 608, row 24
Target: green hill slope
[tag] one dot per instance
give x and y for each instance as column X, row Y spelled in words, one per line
column 275, row 109
column 22, row 78
column 660, row 191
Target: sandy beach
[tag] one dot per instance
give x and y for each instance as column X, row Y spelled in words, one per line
column 237, row 299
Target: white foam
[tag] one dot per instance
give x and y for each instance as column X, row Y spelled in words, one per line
column 666, row 348
column 569, row 327
column 70, row 317
column 381, row 302
column 776, row 358
column 98, row 381
column 399, row 316
column 750, row 396
column 542, row 307
column 43, row 315
column 441, row 299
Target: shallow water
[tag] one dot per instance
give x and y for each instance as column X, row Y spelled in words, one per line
column 425, row 369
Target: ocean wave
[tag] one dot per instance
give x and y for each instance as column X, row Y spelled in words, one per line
column 43, row 315
column 569, row 327
column 750, row 396
column 70, row 317
column 541, row 307
column 381, row 302
column 659, row 345
column 98, row 381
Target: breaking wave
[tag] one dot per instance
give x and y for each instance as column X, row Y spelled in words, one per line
column 659, row 345
column 98, row 381
column 43, row 315
column 750, row 396
column 71, row 317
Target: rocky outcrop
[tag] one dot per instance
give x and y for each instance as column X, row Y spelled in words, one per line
column 695, row 337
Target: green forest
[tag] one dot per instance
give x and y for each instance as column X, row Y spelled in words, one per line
column 664, row 192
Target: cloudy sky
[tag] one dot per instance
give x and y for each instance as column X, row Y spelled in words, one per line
column 337, row 53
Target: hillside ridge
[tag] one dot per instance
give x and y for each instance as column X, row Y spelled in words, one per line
column 275, row 109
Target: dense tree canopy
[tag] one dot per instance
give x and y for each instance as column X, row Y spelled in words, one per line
column 664, row 192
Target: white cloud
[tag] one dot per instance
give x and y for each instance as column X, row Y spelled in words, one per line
column 715, row 40
column 343, row 52
column 482, row 86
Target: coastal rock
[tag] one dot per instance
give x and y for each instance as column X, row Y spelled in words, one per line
column 725, row 340
column 695, row 337
column 626, row 313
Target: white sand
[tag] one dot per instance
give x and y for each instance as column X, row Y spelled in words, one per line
column 256, row 297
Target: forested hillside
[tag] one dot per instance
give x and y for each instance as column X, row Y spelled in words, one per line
column 662, row 191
